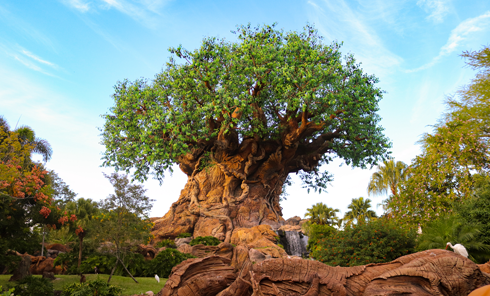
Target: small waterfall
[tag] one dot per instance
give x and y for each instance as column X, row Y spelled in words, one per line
column 294, row 242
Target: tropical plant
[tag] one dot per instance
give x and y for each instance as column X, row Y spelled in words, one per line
column 163, row 263
column 25, row 197
column 91, row 288
column 374, row 242
column 34, row 286
column 477, row 211
column 359, row 211
column 453, row 155
column 270, row 104
column 317, row 232
column 321, row 214
column 205, row 240
column 184, row 235
column 387, row 178
column 450, row 228
column 168, row 243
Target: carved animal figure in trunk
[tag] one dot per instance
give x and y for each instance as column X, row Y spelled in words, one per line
column 238, row 118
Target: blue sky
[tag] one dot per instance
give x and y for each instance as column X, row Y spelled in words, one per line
column 59, row 61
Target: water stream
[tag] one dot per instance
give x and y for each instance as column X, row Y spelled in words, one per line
column 294, row 242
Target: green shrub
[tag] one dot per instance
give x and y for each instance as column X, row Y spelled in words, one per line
column 9, row 292
column 168, row 243
column 205, row 240
column 34, row 286
column 163, row 263
column 317, row 232
column 184, row 235
column 373, row 242
column 91, row 288
column 135, row 263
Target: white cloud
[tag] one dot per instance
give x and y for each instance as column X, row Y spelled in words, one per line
column 459, row 34
column 26, row 58
column 79, row 5
column 438, row 9
column 337, row 21
column 36, row 58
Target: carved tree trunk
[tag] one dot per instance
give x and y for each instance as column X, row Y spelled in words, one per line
column 228, row 189
column 432, row 272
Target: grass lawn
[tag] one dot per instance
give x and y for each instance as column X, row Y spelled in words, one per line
column 126, row 283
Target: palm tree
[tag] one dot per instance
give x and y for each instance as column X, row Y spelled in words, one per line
column 388, row 177
column 359, row 211
column 27, row 136
column 321, row 214
column 450, row 229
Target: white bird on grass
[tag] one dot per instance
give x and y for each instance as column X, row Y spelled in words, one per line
column 157, row 278
column 458, row 249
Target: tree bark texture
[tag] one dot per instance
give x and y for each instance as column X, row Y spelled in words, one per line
column 432, row 272
column 227, row 190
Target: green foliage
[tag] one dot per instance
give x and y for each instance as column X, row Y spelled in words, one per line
column 373, row 242
column 359, row 211
column 205, row 240
column 169, row 243
column 477, row 211
column 317, row 232
column 34, row 286
column 453, row 156
column 163, row 263
column 184, row 235
column 269, row 85
column 91, row 288
column 124, row 218
column 280, row 246
column 388, row 177
column 9, row 292
column 452, row 229
column 321, row 214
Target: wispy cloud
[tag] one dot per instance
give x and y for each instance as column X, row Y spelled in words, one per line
column 458, row 35
column 36, row 58
column 336, row 20
column 146, row 12
column 27, row 58
column 79, row 5
column 437, row 9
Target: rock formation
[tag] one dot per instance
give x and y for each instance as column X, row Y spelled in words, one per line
column 432, row 272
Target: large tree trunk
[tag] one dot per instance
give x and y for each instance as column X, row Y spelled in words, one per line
column 228, row 190
column 432, row 272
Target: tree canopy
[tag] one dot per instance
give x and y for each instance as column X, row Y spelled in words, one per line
column 284, row 90
column 454, row 156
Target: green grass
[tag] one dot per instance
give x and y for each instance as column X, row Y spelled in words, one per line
column 126, row 283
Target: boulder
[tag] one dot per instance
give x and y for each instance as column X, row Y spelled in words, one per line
column 185, row 248
column 42, row 265
column 432, row 272
column 149, row 252
column 58, row 247
column 291, row 228
column 294, row 221
column 184, row 240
